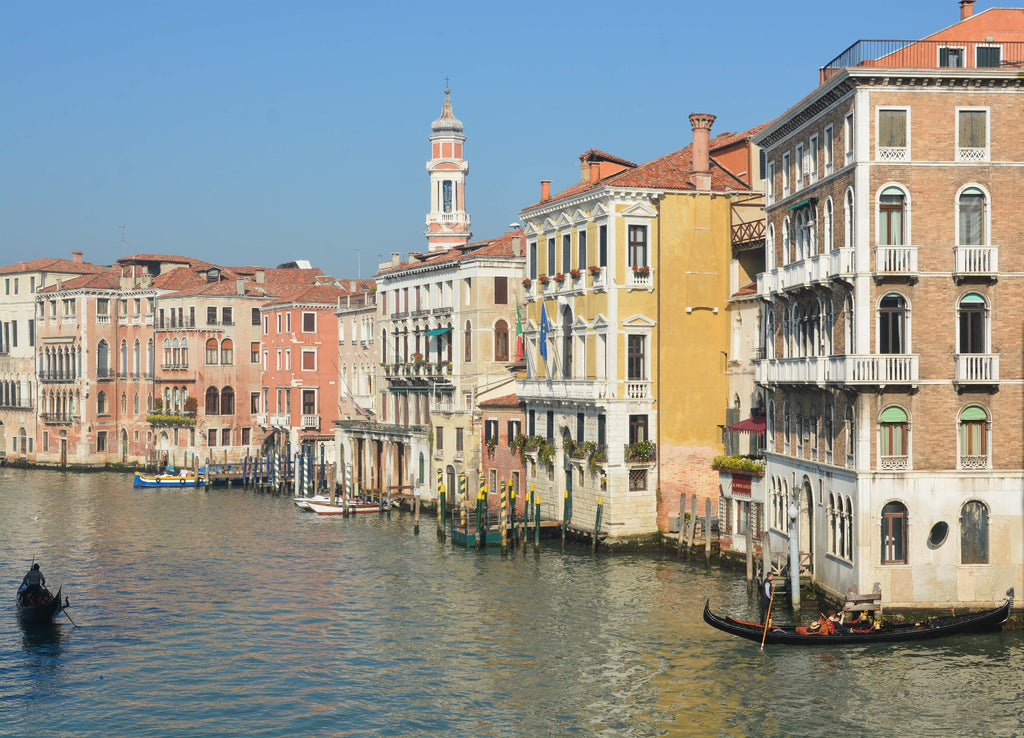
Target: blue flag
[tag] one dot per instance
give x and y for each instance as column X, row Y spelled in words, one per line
column 544, row 328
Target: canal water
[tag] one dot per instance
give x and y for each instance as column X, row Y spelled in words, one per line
column 224, row 612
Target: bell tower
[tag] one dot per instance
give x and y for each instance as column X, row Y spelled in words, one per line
column 447, row 221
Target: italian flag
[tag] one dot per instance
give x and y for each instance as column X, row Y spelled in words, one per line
column 519, row 335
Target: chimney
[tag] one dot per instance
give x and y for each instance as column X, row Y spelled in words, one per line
column 396, row 259
column 76, row 256
column 353, row 285
column 240, row 286
column 595, row 171
column 545, row 190
column 261, row 276
column 517, row 246
column 700, row 152
column 966, row 9
column 584, row 170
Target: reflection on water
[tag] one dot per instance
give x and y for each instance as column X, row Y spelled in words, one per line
column 222, row 611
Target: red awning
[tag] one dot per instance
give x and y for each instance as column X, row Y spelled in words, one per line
column 755, row 424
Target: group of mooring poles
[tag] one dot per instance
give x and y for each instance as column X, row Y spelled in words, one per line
column 688, row 526
column 276, row 472
column 513, row 534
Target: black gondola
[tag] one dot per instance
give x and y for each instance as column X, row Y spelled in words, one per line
column 916, row 630
column 40, row 608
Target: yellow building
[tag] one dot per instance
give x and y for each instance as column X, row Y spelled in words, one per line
column 627, row 329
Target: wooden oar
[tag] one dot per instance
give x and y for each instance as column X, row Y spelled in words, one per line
column 65, row 611
column 768, row 617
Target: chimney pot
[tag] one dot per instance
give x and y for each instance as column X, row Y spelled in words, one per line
column 396, row 258
column 517, row 246
column 76, row 256
column 545, row 190
column 966, row 9
column 240, row 286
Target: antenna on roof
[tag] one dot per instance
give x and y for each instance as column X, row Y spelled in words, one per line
column 123, row 254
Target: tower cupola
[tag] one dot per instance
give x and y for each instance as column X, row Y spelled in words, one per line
column 447, row 221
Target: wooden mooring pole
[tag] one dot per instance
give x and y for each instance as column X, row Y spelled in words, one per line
column 597, row 522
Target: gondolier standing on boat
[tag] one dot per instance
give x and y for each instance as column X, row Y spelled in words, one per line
column 766, row 593
column 34, row 581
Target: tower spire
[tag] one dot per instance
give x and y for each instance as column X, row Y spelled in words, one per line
column 447, row 221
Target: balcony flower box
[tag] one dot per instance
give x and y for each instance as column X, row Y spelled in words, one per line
column 575, row 273
column 559, row 278
column 543, row 279
column 641, row 271
column 742, row 464
column 641, row 452
column 527, row 282
column 595, row 271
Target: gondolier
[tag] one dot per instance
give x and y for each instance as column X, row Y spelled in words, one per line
column 34, row 581
column 766, row 592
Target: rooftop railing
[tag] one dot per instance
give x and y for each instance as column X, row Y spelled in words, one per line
column 897, row 54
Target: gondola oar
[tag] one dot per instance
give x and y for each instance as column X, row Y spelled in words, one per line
column 768, row 617
column 65, row 611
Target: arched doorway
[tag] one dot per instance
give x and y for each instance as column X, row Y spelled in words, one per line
column 806, row 526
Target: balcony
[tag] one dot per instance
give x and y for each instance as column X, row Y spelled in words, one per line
column 899, row 261
column 975, row 261
column 640, row 278
column 174, row 324
column 57, row 418
column 977, row 368
column 261, row 420
column 874, row 369
column 802, row 274
column 894, row 463
column 103, row 319
column 280, row 420
column 971, row 462
column 310, row 422
column 560, row 389
column 51, row 377
column 843, row 264
column 799, row 370
column 599, row 278
column 441, row 310
column 638, row 390
column 904, row 54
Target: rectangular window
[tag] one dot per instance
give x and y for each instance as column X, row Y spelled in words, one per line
column 972, row 135
column 491, row 431
column 602, row 245
column 280, row 354
column 951, row 57
column 309, row 322
column 101, row 441
column 637, row 246
column 601, row 430
column 246, row 436
column 812, row 159
column 308, row 402
column 279, row 323
column 266, row 325
column 254, row 352
column 551, row 256
column 551, row 426
column 439, row 438
column 254, row 402
column 893, row 135
column 581, row 249
column 225, row 436
column 533, row 259
column 287, row 322
column 988, row 57
column 211, row 437
column 566, row 252
column 826, row 150
column 531, row 423
column 211, row 316
column 501, row 290
column 848, row 137
column 255, row 316
column 637, row 429
column 636, row 364
column 785, row 174
column 288, row 360
column 226, row 316
column 799, row 162
column 513, row 430
column 769, row 183
column 581, row 419
column 458, row 440
column 308, row 360
column 31, row 333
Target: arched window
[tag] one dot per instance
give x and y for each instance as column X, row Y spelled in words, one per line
column 894, row 533
column 972, row 324
column 135, row 404
column 101, row 403
column 567, row 364
column 893, row 438
column 123, row 367
column 848, row 220
column 829, row 240
column 892, row 204
column 212, row 401
column 175, row 404
column 167, row 352
column 974, row 533
column 137, row 357
column 833, row 524
column 211, row 351
column 770, row 246
column 972, row 215
column 892, row 325
column 501, row 341
column 849, row 530
column 467, row 339
column 124, row 402
column 184, row 352
column 226, row 352
column 227, row 401
column 150, row 357
column 973, row 437
column 103, row 359
column 785, row 241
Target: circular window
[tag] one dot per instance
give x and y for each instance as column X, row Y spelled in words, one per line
column 938, row 534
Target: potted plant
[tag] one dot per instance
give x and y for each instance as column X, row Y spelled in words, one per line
column 575, row 273
column 595, row 271
column 543, row 279
column 641, row 271
column 527, row 282
column 492, row 443
column 559, row 278
column 640, row 452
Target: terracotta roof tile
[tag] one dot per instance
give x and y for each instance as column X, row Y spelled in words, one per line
column 46, row 264
column 500, row 246
column 512, row 401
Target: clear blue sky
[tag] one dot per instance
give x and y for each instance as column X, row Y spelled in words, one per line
column 247, row 132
